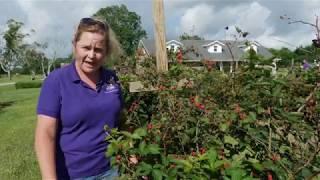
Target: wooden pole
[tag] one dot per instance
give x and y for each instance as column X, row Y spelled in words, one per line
column 160, row 36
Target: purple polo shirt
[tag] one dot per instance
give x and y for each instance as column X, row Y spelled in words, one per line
column 82, row 113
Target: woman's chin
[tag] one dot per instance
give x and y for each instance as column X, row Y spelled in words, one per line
column 89, row 69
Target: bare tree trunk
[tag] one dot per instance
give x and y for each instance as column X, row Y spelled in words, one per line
column 42, row 67
column 292, row 64
column 6, row 69
column 33, row 75
column 9, row 75
column 49, row 68
column 51, row 62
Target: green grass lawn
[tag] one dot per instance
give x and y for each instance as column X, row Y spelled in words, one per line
column 15, row 78
column 17, row 124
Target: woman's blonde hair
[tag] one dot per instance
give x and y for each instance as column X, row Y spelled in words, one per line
column 99, row 25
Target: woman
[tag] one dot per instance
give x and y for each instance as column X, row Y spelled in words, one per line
column 75, row 104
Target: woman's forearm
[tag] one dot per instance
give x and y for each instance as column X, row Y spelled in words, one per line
column 45, row 138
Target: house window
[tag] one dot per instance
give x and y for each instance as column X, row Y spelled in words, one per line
column 215, row 48
column 172, row 47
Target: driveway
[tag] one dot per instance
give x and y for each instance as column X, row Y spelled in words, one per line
column 7, row 84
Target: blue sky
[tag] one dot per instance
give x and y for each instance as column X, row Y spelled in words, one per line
column 55, row 20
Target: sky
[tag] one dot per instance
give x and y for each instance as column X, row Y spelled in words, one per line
column 54, row 21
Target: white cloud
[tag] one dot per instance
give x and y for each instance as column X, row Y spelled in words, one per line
column 253, row 19
column 196, row 20
column 55, row 20
column 37, row 19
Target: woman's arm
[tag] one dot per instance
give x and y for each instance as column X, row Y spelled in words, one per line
column 45, row 139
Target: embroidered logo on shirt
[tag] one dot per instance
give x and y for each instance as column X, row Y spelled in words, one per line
column 111, row 86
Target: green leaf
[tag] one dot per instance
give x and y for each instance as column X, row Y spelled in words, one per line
column 223, row 127
column 158, row 166
column 283, row 149
column 205, row 120
column 135, row 136
column 294, row 117
column 306, row 172
column 132, row 136
column 257, row 166
column 187, row 166
column 140, row 132
column 253, row 116
column 230, row 140
column 250, row 118
column 236, row 173
column 112, row 149
column 164, row 160
column 157, row 174
column 185, row 139
column 212, row 156
column 191, row 131
column 144, row 168
column 142, row 148
column 218, row 164
column 276, row 91
column 153, row 149
column 260, row 110
column 233, row 116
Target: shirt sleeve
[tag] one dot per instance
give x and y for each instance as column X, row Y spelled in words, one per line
column 121, row 99
column 120, row 88
column 49, row 102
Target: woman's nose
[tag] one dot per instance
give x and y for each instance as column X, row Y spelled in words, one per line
column 91, row 53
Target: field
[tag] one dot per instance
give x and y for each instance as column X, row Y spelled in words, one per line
column 17, row 123
column 15, row 78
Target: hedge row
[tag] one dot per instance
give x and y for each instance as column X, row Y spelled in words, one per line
column 28, row 84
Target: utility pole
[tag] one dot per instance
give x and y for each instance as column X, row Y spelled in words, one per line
column 160, row 36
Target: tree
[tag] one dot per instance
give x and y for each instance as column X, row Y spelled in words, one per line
column 285, row 54
column 10, row 54
column 315, row 26
column 125, row 24
column 309, row 53
column 32, row 56
column 186, row 36
column 253, row 58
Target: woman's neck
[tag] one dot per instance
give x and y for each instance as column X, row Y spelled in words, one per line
column 90, row 79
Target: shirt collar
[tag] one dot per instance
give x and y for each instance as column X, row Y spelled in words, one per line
column 74, row 74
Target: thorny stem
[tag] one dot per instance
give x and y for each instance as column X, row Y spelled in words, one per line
column 307, row 99
column 197, row 131
column 312, row 157
column 313, row 175
column 270, row 136
column 265, row 146
column 309, row 160
column 125, row 165
column 182, row 146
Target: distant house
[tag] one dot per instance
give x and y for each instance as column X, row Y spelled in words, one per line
column 196, row 51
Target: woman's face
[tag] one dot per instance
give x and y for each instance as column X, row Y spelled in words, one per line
column 90, row 52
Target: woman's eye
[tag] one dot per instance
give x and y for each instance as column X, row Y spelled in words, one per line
column 98, row 50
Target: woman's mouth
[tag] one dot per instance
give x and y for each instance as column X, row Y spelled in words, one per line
column 89, row 64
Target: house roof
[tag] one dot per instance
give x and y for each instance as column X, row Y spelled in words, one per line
column 201, row 52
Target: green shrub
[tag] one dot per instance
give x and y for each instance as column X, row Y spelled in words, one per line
column 28, row 84
column 214, row 125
